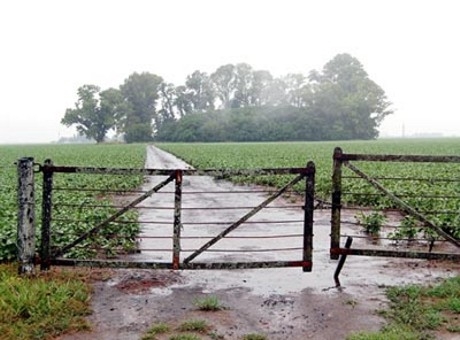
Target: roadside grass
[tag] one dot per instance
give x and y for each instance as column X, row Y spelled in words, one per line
column 208, row 303
column 417, row 312
column 43, row 306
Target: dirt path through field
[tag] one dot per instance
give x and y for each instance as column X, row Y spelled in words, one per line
column 280, row 303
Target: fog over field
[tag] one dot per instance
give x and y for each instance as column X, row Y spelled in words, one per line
column 50, row 48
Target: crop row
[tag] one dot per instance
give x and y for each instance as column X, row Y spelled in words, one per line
column 71, row 217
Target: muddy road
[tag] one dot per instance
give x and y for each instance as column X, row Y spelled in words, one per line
column 279, row 303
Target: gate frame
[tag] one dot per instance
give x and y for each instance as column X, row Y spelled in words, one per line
column 341, row 159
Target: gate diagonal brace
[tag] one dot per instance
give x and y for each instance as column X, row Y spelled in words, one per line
column 112, row 218
column 407, row 208
column 244, row 218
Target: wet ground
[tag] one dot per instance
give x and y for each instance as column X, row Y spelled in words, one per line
column 281, row 303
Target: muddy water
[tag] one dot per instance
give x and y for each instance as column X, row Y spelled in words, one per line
column 359, row 271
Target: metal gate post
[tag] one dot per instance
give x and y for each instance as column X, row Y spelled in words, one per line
column 26, row 216
column 336, row 202
column 308, row 216
column 45, row 252
column 177, row 219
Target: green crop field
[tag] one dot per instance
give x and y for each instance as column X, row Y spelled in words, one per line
column 432, row 188
column 223, row 155
column 78, row 155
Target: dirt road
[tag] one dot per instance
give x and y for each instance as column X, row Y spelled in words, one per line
column 280, row 303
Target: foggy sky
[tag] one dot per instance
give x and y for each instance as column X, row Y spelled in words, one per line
column 50, row 48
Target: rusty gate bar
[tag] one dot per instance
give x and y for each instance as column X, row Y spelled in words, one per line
column 45, row 252
column 26, row 216
column 308, row 216
column 177, row 219
column 107, row 263
column 396, row 158
column 243, row 219
column 407, row 208
column 336, row 201
column 64, row 249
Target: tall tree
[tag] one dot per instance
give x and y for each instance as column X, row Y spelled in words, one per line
column 262, row 80
column 224, row 81
column 201, row 91
column 244, row 79
column 347, row 100
column 95, row 112
column 141, row 92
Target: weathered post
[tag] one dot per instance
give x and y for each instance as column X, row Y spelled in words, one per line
column 336, row 201
column 26, row 216
column 177, row 220
column 46, row 215
column 308, row 216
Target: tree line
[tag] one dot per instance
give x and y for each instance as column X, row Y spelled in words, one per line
column 236, row 103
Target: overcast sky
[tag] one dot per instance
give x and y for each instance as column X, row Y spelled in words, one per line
column 50, row 48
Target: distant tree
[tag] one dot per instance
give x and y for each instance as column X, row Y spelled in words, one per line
column 140, row 92
column 261, row 81
column 95, row 112
column 224, row 81
column 201, row 91
column 183, row 101
column 243, row 83
column 346, row 100
column 296, row 87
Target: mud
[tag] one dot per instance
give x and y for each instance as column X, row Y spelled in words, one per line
column 280, row 303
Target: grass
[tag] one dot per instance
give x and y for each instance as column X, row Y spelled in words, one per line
column 43, row 306
column 254, row 336
column 193, row 326
column 208, row 303
column 154, row 330
column 415, row 312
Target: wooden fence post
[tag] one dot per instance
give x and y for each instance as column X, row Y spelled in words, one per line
column 26, row 216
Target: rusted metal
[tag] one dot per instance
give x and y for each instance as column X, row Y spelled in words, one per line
column 308, row 216
column 397, row 253
column 177, row 220
column 336, row 200
column 342, row 259
column 182, row 266
column 47, row 205
column 342, row 157
column 26, row 216
column 243, row 219
column 219, row 173
column 404, row 206
column 112, row 218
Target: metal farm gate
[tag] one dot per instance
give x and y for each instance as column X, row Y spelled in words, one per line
column 176, row 237
column 415, row 214
column 377, row 205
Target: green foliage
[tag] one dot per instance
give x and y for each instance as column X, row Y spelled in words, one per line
column 193, row 326
column 41, row 307
column 408, row 229
column 184, row 337
column 254, row 336
column 70, row 222
column 415, row 311
column 419, row 194
column 159, row 328
column 141, row 92
column 95, row 112
column 208, row 303
column 372, row 222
